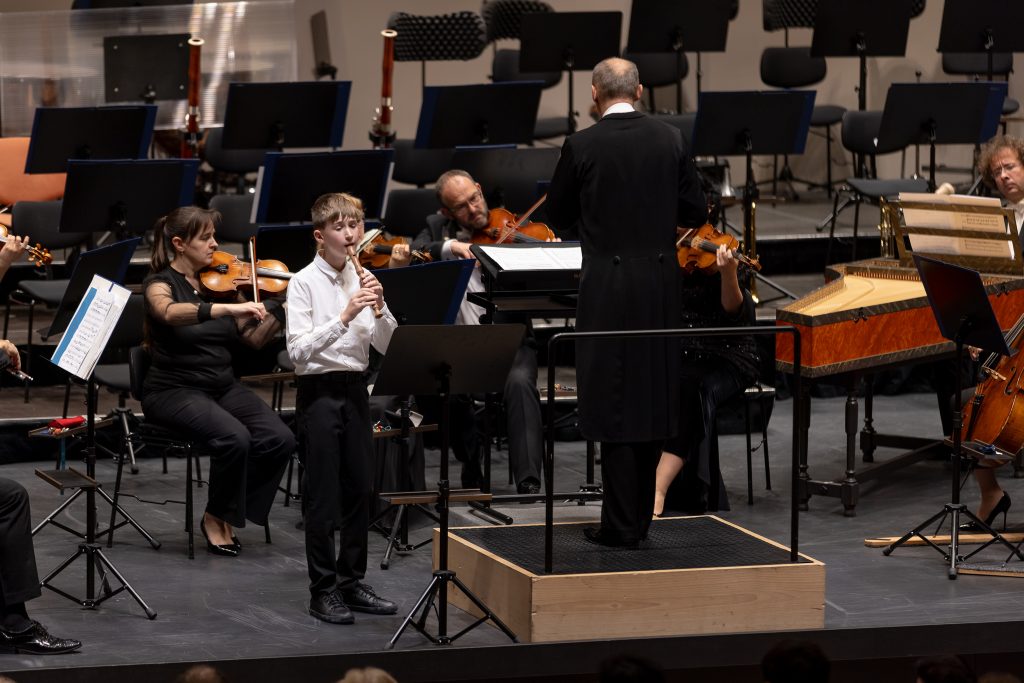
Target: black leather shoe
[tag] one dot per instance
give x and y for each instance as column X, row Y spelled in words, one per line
column 331, row 608
column 35, row 640
column 222, row 550
column 529, row 485
column 602, row 537
column 361, row 598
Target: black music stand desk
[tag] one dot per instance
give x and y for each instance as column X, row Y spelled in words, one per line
column 485, row 114
column 965, row 316
column 145, row 68
column 63, row 133
column 279, row 115
column 988, row 27
column 440, row 360
column 289, row 184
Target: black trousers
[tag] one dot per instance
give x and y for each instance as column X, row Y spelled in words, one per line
column 705, row 387
column 249, row 446
column 627, row 478
column 19, row 581
column 337, row 449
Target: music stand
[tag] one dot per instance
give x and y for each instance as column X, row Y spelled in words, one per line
column 749, row 123
column 147, row 68
column 85, row 269
column 289, row 184
column 276, row 115
column 852, row 29
column 987, row 27
column 567, row 41
column 441, row 360
column 484, row 114
column 322, row 46
column 509, row 176
column 965, row 317
column 940, row 113
column 291, row 244
column 677, row 26
column 427, row 294
column 125, row 197
column 60, row 134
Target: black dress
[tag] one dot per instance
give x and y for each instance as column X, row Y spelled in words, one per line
column 190, row 387
column 713, row 370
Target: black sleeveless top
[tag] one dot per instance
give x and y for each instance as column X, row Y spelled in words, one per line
column 702, row 307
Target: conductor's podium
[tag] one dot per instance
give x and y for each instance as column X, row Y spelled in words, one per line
column 693, row 575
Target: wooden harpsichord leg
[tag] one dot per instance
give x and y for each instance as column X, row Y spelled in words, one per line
column 867, row 434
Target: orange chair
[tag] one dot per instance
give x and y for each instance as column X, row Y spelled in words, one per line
column 16, row 185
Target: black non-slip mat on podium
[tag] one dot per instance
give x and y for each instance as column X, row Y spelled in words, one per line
column 682, row 543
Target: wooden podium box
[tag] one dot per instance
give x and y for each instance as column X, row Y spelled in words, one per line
column 693, row 575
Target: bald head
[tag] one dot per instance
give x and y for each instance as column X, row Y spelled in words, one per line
column 615, row 80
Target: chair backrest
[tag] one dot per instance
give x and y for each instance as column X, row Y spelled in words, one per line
column 419, row 167
column 505, row 67
column 41, row 222
column 791, row 67
column 235, row 210
column 407, row 211
column 503, row 18
column 860, row 131
column 659, row 68
column 138, row 365
column 976, row 63
column 16, row 185
column 231, row 160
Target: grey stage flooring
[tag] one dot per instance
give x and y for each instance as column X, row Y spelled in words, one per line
column 254, row 606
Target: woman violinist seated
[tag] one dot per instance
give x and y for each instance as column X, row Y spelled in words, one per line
column 190, row 385
column 713, row 370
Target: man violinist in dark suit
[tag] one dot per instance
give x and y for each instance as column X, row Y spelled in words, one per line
column 624, row 184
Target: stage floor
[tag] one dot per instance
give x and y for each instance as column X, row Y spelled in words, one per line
column 237, row 611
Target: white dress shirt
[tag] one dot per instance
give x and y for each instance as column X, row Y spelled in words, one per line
column 318, row 341
column 619, row 108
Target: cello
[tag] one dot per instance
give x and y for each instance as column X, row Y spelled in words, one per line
column 994, row 417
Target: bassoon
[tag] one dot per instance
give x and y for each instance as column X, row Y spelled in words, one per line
column 190, row 141
column 381, row 133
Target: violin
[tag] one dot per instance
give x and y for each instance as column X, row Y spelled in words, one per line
column 227, row 273
column 696, row 248
column 37, row 254
column 504, row 227
column 994, row 418
column 377, row 252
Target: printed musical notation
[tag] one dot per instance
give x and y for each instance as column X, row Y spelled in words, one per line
column 87, row 334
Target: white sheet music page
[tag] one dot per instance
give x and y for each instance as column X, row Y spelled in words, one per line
column 90, row 327
column 535, row 258
column 955, row 221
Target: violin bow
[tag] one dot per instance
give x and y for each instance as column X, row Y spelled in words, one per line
column 510, row 230
column 252, row 269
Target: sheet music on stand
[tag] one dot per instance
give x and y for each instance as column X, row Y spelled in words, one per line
column 539, row 257
column 961, row 225
column 90, row 328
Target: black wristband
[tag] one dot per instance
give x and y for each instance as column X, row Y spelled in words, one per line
column 205, row 312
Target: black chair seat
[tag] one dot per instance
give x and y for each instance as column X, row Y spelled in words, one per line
column 115, row 376
column 551, row 127
column 872, row 188
column 827, row 114
column 49, row 292
column 1010, row 106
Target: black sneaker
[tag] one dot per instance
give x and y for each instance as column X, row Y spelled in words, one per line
column 361, row 598
column 529, row 485
column 331, row 608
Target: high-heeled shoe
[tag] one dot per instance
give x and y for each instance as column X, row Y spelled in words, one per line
column 1002, row 506
column 214, row 549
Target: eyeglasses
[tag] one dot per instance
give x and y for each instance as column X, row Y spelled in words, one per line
column 473, row 200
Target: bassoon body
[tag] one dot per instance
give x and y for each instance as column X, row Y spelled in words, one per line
column 190, row 140
column 381, row 133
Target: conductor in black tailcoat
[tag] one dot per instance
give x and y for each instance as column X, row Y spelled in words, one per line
column 623, row 185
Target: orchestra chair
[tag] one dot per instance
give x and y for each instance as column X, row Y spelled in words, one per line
column 419, row 167
column 764, row 396
column 228, row 162
column 41, row 221
column 505, row 67
column 407, row 209
column 794, row 67
column 859, row 135
column 235, row 210
column 975, row 66
column 285, row 364
column 658, row 69
column 152, row 434
column 17, row 186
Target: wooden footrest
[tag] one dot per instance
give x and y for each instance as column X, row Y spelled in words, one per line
column 67, row 479
column 430, row 497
